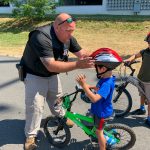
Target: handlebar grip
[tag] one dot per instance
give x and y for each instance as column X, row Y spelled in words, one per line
column 78, row 88
column 127, row 63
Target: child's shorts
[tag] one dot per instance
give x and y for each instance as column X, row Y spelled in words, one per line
column 99, row 122
column 146, row 87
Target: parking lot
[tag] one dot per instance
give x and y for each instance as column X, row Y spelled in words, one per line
column 12, row 109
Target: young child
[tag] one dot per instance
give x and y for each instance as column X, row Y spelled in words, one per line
column 105, row 61
column 144, row 77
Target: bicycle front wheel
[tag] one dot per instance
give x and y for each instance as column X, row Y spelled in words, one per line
column 57, row 132
column 122, row 101
column 125, row 135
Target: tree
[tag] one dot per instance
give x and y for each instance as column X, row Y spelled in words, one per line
column 33, row 9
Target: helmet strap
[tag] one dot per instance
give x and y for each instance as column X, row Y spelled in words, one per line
column 100, row 74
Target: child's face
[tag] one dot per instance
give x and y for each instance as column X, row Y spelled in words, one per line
column 101, row 69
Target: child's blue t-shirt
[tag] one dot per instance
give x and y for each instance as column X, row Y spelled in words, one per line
column 103, row 108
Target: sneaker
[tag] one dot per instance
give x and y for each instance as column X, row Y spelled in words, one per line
column 69, row 123
column 138, row 112
column 147, row 122
column 30, row 143
column 110, row 140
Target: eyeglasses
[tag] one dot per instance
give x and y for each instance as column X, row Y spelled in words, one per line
column 69, row 20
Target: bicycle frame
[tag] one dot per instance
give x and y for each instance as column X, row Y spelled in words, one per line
column 78, row 118
column 133, row 80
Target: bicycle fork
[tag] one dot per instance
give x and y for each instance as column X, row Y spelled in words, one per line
column 120, row 90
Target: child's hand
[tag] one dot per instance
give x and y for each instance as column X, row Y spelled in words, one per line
column 81, row 79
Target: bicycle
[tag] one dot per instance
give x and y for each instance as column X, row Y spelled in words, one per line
column 122, row 100
column 59, row 135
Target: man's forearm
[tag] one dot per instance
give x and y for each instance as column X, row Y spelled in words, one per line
column 59, row 67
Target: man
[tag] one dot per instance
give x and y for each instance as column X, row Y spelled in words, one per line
column 46, row 55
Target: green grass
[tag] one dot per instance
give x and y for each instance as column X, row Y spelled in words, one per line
column 11, row 39
column 93, row 31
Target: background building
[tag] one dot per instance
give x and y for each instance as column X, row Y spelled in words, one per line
column 112, row 7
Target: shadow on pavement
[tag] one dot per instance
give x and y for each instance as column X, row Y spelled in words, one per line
column 11, row 81
column 4, row 85
column 11, row 132
column 9, row 61
column 4, row 108
column 74, row 144
column 133, row 121
column 78, row 145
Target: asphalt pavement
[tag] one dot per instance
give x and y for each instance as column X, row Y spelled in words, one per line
column 12, row 108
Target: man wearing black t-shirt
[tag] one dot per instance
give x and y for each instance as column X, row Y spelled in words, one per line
column 44, row 57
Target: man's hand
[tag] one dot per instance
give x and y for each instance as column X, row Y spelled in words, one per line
column 86, row 62
column 58, row 66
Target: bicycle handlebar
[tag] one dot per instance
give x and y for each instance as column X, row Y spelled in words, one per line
column 69, row 101
column 129, row 65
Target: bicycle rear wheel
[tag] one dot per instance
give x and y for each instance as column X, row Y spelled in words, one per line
column 57, row 132
column 122, row 101
column 125, row 134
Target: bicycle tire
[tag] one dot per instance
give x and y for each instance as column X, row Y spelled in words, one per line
column 121, row 132
column 122, row 101
column 51, row 126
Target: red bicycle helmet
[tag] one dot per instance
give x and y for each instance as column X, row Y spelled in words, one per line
column 146, row 38
column 107, row 57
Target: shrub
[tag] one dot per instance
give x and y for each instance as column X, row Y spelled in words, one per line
column 33, row 9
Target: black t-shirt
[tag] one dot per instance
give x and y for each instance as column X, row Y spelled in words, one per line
column 45, row 45
column 144, row 72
